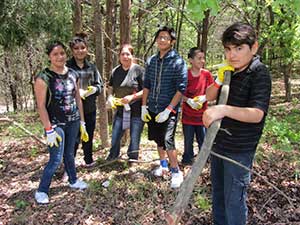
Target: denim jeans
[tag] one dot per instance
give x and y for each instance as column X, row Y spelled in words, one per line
column 189, row 132
column 136, row 128
column 229, row 188
column 65, row 152
column 90, row 123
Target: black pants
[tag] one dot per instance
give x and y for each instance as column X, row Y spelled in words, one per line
column 90, row 124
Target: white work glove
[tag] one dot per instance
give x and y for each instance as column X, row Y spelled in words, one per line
column 82, row 93
column 194, row 104
column 145, row 114
column 90, row 91
column 53, row 138
column 163, row 116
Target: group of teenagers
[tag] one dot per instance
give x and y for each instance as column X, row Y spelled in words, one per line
column 66, row 95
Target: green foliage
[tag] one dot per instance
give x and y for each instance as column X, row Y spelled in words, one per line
column 198, row 7
column 201, row 199
column 283, row 134
column 21, row 204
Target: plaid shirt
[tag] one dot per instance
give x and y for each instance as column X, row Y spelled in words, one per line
column 164, row 77
column 89, row 75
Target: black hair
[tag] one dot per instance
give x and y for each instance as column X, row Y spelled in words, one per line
column 193, row 51
column 170, row 30
column 79, row 37
column 52, row 44
column 238, row 34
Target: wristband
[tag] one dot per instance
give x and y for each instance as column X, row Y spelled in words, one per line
column 134, row 96
column 216, row 85
column 48, row 129
column 171, row 108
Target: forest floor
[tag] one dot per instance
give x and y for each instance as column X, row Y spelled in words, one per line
column 134, row 196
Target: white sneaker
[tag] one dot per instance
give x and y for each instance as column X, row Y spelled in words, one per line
column 41, row 197
column 177, row 179
column 159, row 171
column 79, row 184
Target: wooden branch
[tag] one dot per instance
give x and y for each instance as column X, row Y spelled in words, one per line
column 186, row 189
column 23, row 129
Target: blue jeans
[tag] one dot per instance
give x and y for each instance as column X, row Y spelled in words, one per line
column 189, row 132
column 65, row 151
column 229, row 188
column 90, row 123
column 136, row 128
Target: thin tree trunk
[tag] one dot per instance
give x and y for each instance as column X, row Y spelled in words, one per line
column 77, row 17
column 180, row 24
column 286, row 69
column 103, row 121
column 125, row 21
column 205, row 29
column 12, row 82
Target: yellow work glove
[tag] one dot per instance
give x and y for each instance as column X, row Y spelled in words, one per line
column 53, row 138
column 145, row 116
column 82, row 93
column 194, row 104
column 113, row 102
column 221, row 71
column 83, row 134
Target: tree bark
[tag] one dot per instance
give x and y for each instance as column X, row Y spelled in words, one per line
column 286, row 69
column 180, row 15
column 125, row 22
column 77, row 17
column 12, row 82
column 205, row 29
column 103, row 121
column 186, row 189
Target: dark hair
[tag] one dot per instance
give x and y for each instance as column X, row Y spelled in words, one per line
column 126, row 45
column 79, row 37
column 194, row 51
column 170, row 30
column 238, row 34
column 52, row 44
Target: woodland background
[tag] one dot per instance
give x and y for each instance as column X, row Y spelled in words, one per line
column 134, row 196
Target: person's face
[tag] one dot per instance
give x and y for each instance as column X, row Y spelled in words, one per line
column 239, row 56
column 198, row 61
column 126, row 57
column 58, row 56
column 164, row 41
column 79, row 51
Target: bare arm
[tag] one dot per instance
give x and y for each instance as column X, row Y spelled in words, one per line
column 79, row 102
column 242, row 114
column 176, row 98
column 212, row 93
column 145, row 96
column 40, row 90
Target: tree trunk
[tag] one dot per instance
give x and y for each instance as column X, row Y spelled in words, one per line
column 99, row 63
column 286, row 69
column 11, row 81
column 77, row 15
column 180, row 15
column 205, row 29
column 125, row 21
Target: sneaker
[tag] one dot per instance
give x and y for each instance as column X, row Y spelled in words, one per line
column 79, row 184
column 41, row 197
column 177, row 179
column 89, row 165
column 159, row 171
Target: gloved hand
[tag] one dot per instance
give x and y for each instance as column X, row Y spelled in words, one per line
column 82, row 93
column 83, row 134
column 163, row 116
column 53, row 138
column 90, row 90
column 224, row 67
column 113, row 102
column 194, row 104
column 200, row 98
column 145, row 116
